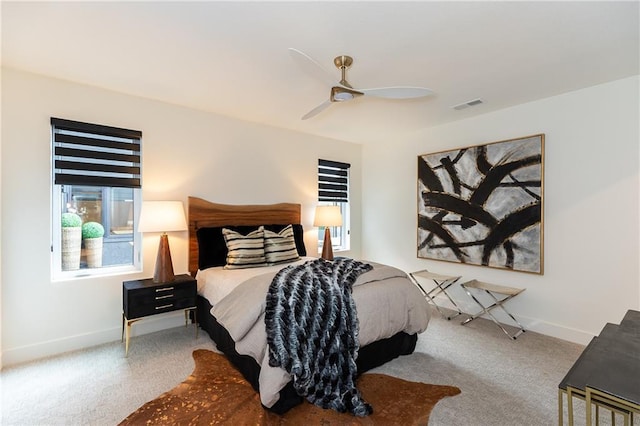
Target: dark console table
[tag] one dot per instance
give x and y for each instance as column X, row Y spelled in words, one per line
column 607, row 373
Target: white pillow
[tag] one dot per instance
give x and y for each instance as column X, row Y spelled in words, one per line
column 244, row 251
column 280, row 247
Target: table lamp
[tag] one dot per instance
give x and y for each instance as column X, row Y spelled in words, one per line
column 327, row 216
column 162, row 216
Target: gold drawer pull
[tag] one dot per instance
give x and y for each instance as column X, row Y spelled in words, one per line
column 164, row 306
column 164, row 297
column 164, row 289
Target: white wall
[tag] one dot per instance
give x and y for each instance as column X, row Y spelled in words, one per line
column 0, row 238
column 185, row 152
column 591, row 218
column 591, row 202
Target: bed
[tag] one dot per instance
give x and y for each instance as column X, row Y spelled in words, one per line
column 391, row 310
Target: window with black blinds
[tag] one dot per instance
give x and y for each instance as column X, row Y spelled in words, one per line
column 333, row 181
column 95, row 155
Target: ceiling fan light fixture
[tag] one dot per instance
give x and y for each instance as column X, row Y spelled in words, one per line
column 342, row 96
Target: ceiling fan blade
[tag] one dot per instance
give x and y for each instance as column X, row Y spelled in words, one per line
column 317, row 110
column 312, row 67
column 397, row 92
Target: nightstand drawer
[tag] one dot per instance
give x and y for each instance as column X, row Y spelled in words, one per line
column 160, row 306
column 142, row 298
column 159, row 295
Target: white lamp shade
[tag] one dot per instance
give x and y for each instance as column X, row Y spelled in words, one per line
column 328, row 216
column 162, row 216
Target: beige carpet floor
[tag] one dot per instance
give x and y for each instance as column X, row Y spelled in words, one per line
column 503, row 382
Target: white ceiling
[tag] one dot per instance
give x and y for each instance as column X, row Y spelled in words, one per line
column 232, row 58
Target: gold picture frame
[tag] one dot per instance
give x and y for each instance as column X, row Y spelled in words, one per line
column 484, row 205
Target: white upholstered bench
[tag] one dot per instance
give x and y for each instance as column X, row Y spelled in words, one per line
column 505, row 293
column 442, row 283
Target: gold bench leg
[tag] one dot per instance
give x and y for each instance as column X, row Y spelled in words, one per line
column 570, row 406
column 560, row 407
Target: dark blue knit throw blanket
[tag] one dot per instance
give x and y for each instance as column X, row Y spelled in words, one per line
column 312, row 331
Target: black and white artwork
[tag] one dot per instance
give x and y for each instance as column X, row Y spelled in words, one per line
column 483, row 205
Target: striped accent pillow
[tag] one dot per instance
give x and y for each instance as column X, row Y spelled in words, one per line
column 244, row 251
column 280, row 247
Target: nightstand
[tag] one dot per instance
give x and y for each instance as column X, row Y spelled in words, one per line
column 143, row 298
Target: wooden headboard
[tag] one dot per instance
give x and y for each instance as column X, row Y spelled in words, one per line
column 203, row 213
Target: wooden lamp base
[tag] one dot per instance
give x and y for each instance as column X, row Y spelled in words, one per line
column 327, row 249
column 164, row 265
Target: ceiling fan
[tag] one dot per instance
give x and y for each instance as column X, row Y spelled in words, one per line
column 342, row 91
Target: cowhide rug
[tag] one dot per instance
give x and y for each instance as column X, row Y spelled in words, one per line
column 216, row 393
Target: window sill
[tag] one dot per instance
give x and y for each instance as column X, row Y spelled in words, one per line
column 335, row 250
column 80, row 274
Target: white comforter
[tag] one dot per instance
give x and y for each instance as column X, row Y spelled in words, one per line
column 387, row 302
column 214, row 284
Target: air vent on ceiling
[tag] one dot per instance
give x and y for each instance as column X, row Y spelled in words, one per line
column 468, row 104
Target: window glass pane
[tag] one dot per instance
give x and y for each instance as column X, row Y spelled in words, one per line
column 86, row 201
column 121, row 211
column 113, row 208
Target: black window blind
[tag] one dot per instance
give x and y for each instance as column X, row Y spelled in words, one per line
column 333, row 181
column 95, row 155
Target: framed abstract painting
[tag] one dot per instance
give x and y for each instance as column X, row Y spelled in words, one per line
column 484, row 205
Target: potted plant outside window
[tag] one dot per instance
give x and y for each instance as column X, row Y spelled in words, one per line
column 92, row 234
column 71, row 241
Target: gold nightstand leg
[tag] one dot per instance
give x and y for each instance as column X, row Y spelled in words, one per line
column 126, row 345
column 186, row 319
column 126, row 327
column 195, row 321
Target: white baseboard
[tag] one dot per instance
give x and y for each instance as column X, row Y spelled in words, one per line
column 161, row 322
column 530, row 324
column 28, row 353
